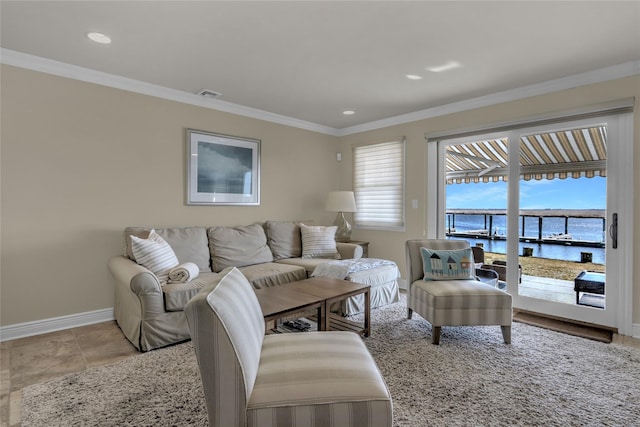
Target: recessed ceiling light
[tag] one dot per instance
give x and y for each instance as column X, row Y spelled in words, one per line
column 99, row 38
column 451, row 65
column 348, row 112
column 414, row 77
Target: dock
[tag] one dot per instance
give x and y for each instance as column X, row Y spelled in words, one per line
column 559, row 239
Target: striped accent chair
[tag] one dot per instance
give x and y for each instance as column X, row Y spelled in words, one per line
column 463, row 302
column 279, row 380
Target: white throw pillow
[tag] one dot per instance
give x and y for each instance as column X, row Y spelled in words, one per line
column 319, row 242
column 155, row 254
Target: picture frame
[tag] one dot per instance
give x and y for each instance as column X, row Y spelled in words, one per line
column 222, row 169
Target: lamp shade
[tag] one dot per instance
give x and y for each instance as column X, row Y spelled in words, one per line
column 341, row 201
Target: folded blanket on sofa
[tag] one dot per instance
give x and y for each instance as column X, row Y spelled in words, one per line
column 184, row 273
column 341, row 269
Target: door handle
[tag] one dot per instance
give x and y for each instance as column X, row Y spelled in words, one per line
column 613, row 231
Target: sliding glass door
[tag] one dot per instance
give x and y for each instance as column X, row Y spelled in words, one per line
column 546, row 201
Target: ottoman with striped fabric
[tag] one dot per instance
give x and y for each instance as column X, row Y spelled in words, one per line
column 460, row 302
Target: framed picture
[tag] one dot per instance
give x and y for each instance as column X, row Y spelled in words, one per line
column 222, row 169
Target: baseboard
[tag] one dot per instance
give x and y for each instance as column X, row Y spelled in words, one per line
column 402, row 284
column 53, row 324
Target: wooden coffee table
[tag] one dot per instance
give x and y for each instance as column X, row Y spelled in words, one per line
column 315, row 293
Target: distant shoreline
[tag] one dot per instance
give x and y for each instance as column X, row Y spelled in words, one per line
column 544, row 213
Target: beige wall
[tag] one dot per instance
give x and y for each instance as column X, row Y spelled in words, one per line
column 390, row 245
column 81, row 161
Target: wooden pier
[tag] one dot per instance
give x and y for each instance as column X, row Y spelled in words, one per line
column 562, row 239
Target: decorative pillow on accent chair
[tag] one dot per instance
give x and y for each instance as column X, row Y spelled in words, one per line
column 447, row 264
column 319, row 242
column 155, row 254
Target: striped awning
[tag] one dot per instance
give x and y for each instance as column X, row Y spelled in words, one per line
column 571, row 153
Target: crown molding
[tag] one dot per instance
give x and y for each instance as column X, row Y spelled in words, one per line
column 36, row 63
column 590, row 77
column 44, row 65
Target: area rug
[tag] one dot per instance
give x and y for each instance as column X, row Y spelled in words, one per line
column 472, row 378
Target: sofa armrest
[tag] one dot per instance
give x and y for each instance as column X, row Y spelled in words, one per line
column 138, row 293
column 137, row 278
column 349, row 250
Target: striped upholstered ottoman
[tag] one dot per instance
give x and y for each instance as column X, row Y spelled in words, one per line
column 454, row 300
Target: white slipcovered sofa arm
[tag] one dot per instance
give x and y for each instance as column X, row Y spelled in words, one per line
column 349, row 250
column 137, row 289
column 137, row 278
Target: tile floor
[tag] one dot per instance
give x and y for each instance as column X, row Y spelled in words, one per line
column 31, row 360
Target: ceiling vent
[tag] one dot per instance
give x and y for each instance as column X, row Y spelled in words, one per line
column 208, row 93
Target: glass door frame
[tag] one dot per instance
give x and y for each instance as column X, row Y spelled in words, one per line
column 619, row 264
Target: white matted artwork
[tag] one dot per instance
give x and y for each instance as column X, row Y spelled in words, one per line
column 222, row 169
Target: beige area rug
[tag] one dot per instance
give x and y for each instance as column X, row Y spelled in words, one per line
column 543, row 378
column 583, row 331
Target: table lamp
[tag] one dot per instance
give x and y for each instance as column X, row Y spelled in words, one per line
column 341, row 201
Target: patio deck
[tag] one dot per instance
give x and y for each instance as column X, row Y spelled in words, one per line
column 548, row 289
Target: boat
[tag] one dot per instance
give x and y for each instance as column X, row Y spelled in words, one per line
column 559, row 236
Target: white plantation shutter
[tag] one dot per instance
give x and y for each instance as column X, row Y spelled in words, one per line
column 378, row 178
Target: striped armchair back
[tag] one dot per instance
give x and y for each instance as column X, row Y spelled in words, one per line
column 227, row 329
column 415, row 270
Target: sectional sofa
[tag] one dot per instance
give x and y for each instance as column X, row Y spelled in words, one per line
column 150, row 311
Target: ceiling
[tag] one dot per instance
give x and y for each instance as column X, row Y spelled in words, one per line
column 310, row 61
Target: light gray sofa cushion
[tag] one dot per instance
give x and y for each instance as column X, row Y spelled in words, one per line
column 272, row 274
column 309, row 264
column 284, row 239
column 238, row 246
column 190, row 244
column 177, row 295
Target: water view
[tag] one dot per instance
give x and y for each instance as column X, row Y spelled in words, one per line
column 546, row 195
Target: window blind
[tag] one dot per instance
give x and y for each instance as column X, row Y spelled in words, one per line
column 378, row 177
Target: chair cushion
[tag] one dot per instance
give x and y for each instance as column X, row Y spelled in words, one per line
column 318, row 378
column 460, row 302
column 455, row 264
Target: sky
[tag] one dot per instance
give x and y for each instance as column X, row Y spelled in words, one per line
column 569, row 193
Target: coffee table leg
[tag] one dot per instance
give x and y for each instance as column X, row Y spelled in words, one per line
column 367, row 313
column 325, row 316
column 321, row 316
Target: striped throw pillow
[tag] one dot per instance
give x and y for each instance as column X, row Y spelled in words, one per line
column 319, row 242
column 155, row 254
